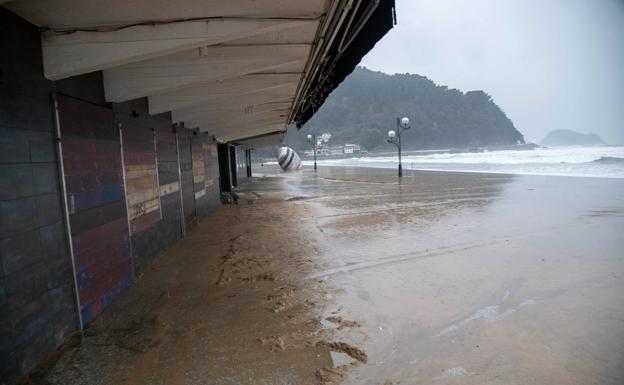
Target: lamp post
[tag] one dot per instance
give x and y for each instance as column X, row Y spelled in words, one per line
column 313, row 140
column 394, row 137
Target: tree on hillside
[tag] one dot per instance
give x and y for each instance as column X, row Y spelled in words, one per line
column 367, row 103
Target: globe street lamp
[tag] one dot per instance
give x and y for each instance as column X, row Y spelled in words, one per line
column 314, row 141
column 394, row 137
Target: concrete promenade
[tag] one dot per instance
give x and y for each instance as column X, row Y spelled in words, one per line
column 348, row 276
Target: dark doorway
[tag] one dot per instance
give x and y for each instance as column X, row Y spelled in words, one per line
column 233, row 165
column 248, row 162
column 224, row 167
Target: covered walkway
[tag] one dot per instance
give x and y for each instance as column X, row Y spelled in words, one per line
column 125, row 123
column 346, row 276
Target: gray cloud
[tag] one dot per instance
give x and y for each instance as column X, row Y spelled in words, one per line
column 549, row 64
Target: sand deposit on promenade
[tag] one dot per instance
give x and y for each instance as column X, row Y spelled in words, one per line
column 349, row 277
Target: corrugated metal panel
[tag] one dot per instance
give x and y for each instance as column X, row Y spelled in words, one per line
column 95, row 195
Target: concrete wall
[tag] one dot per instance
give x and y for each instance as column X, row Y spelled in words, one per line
column 37, row 304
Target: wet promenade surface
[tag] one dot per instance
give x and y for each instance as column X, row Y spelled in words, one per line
column 349, row 277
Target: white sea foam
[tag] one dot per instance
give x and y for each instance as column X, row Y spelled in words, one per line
column 605, row 162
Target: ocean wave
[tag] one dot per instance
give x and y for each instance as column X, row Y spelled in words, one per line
column 609, row 160
column 599, row 162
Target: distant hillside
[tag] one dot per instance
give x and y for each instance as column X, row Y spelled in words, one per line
column 571, row 138
column 367, row 103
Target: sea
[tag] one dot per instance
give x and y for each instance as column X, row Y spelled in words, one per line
column 595, row 162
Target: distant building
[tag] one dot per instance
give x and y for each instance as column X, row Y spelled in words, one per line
column 349, row 149
column 338, row 151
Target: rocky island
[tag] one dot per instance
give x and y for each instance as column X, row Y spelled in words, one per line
column 571, row 138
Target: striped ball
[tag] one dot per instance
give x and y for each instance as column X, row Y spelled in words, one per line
column 288, row 159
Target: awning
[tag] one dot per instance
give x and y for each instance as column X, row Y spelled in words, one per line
column 259, row 141
column 235, row 69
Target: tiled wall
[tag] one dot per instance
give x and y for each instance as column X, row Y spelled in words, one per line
column 37, row 304
column 36, row 287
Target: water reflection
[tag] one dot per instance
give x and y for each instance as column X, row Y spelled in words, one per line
column 469, row 277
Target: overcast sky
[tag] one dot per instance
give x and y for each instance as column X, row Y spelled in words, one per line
column 549, row 64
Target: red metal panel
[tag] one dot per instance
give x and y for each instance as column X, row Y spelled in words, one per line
column 93, row 175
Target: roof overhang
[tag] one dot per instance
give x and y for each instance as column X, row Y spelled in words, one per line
column 263, row 140
column 235, row 69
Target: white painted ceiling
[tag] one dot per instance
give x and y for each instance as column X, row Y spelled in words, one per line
column 230, row 68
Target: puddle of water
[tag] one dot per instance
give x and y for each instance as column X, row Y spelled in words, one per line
column 458, row 372
column 325, row 324
column 489, row 313
column 340, row 359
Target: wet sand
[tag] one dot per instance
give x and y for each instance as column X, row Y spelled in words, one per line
column 349, row 277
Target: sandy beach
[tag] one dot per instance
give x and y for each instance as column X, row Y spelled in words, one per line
column 347, row 276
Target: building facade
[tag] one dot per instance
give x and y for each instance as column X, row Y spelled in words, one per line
column 122, row 125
